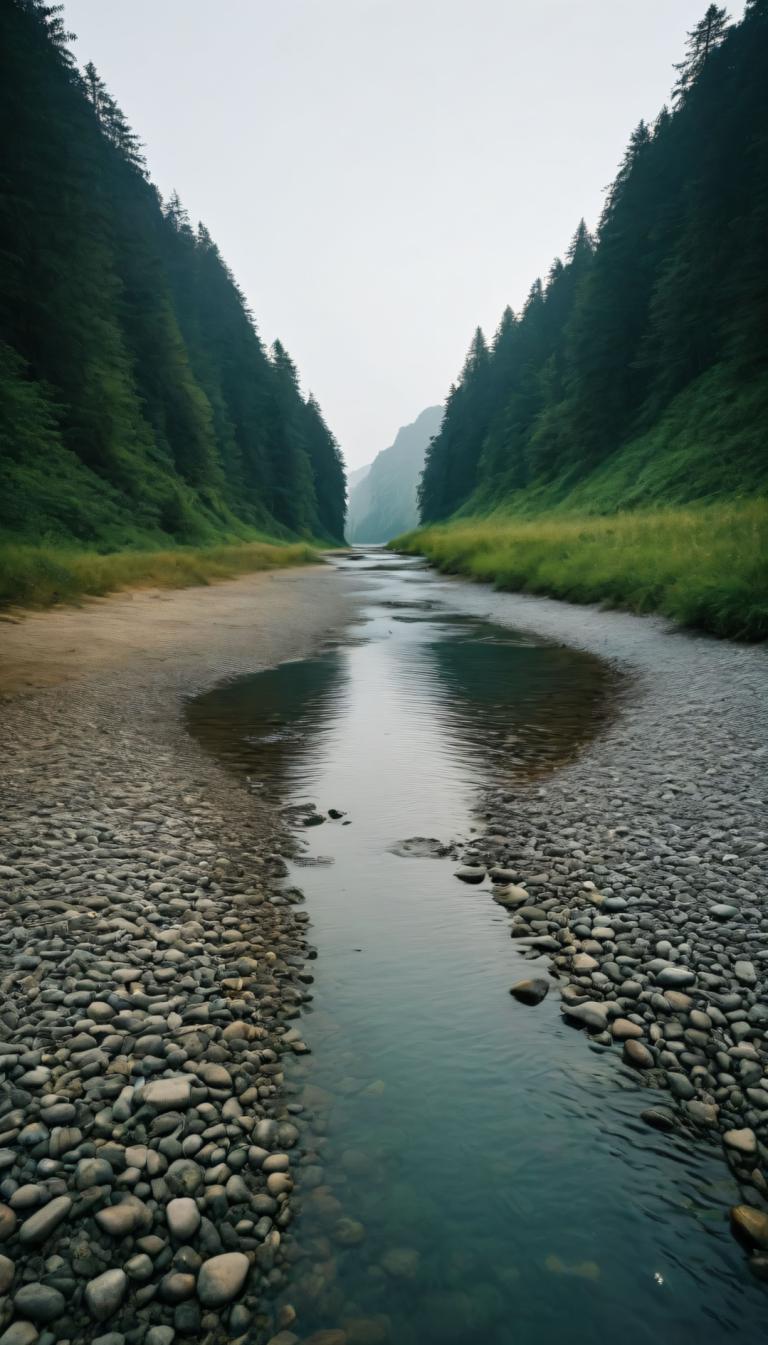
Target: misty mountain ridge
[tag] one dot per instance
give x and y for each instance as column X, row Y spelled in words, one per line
column 384, row 502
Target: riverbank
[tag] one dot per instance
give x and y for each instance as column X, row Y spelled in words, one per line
column 705, row 567
column 44, row 576
column 151, row 972
column 640, row 872
column 146, row 939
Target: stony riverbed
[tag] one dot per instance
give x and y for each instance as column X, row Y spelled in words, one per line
column 154, row 965
column 152, row 973
column 642, row 872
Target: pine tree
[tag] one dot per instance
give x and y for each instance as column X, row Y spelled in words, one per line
column 702, row 41
column 149, row 404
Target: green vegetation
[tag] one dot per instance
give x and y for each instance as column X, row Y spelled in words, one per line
column 138, row 406
column 636, row 375
column 705, row 566
column 39, row 576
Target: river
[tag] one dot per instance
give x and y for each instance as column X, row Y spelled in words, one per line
column 474, row 1171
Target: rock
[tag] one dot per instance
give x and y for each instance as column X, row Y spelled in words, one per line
column 402, row 1263
column 745, row 973
column 19, row 1333
column 216, row 1076
column 349, row 1233
column 118, row 1220
column 39, row 1226
column 681, row 1086
column 183, row 1218
column 750, row 1225
column 675, row 978
column 531, row 992
column 169, row 1094
column 39, row 1303
column 471, row 873
column 500, row 875
column 7, row 1222
column 637, row 1055
column 279, row 1183
column 159, row 1335
column 591, row 1014
column 722, row 911
column 583, row 964
column 623, row 1030
column 93, row 1172
column 176, row 1287
column 7, row 1272
column 221, row 1278
column 743, row 1142
column 105, row 1293
column 659, row 1118
column 703, row 1113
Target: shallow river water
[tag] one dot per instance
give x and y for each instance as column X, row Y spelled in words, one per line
column 508, row 1191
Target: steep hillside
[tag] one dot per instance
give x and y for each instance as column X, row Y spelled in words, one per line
column 384, row 503
column 137, row 402
column 637, row 371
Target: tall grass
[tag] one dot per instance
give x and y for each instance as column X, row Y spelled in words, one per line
column 39, row 576
column 704, row 567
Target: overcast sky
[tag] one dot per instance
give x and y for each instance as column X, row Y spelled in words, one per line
column 383, row 175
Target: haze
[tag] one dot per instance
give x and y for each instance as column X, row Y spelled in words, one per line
column 382, row 175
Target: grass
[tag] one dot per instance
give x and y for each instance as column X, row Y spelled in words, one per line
column 40, row 576
column 705, row 567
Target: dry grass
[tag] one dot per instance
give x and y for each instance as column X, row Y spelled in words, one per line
column 40, row 576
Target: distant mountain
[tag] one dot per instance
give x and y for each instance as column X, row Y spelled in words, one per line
column 357, row 475
column 383, row 503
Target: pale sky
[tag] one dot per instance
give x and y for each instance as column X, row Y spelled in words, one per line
column 383, row 175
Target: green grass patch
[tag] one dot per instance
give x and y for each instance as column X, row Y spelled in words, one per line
column 705, row 567
column 40, row 576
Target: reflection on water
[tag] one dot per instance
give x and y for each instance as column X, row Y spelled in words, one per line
column 475, row 1173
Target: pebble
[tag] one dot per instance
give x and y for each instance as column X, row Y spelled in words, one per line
column 105, row 1293
column 221, row 1278
column 39, row 1302
column 750, row 1225
column 471, row 873
column 40, row 1225
column 183, row 1215
column 531, row 992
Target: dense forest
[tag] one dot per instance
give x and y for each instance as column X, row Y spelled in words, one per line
column 384, row 502
column 137, row 402
column 637, row 372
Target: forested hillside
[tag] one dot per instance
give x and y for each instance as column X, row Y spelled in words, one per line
column 383, row 503
column 137, row 402
column 637, row 370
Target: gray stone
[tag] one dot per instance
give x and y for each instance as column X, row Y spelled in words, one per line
column 183, row 1218
column 169, row 1094
column 675, row 978
column 39, row 1303
column 105, row 1293
column 221, row 1278
column 39, row 1226
column 532, row 991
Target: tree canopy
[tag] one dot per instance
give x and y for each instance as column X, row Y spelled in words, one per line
column 138, row 400
column 657, row 323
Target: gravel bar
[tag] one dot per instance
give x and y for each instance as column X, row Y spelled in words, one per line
column 152, row 969
column 641, row 871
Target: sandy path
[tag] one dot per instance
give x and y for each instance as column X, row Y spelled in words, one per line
column 258, row 613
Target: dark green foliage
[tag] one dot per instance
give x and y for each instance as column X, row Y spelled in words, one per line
column 647, row 345
column 137, row 401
